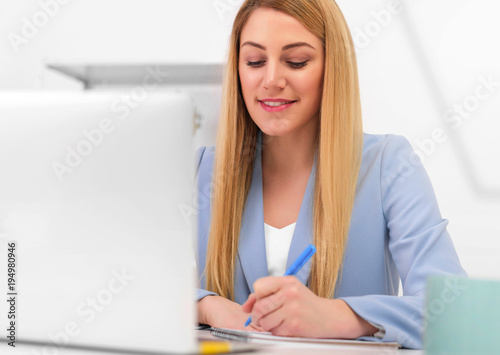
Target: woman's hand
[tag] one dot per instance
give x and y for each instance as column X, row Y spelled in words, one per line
column 284, row 306
column 220, row 312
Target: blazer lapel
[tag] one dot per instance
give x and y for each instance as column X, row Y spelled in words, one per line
column 252, row 244
column 303, row 233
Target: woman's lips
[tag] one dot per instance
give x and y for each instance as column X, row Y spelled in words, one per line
column 275, row 105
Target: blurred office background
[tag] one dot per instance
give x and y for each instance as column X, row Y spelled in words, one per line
column 429, row 70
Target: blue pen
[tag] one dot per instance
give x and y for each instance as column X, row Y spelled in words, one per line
column 295, row 267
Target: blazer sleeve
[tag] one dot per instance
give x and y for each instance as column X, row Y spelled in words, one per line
column 203, row 213
column 418, row 242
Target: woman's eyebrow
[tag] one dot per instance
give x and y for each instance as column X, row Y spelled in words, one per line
column 250, row 43
column 298, row 44
column 288, row 46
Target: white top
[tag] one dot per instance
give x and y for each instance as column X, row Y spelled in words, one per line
column 278, row 243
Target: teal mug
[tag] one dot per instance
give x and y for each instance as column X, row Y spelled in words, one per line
column 462, row 316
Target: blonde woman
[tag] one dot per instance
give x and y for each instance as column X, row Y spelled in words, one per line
column 291, row 166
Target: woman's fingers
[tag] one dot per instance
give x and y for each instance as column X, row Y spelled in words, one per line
column 266, row 306
column 253, row 328
column 249, row 303
column 271, row 320
column 266, row 286
column 288, row 328
column 273, row 300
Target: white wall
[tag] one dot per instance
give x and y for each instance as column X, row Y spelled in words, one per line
column 167, row 31
column 421, row 67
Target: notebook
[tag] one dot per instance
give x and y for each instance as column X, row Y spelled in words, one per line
column 268, row 338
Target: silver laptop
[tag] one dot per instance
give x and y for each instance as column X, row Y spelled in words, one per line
column 92, row 192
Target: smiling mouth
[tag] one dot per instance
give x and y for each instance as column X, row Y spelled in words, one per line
column 277, row 103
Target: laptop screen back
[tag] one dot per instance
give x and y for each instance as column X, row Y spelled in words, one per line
column 92, row 189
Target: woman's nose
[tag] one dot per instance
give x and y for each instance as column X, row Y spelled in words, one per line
column 274, row 77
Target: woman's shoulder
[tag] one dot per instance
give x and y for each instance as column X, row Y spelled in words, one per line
column 381, row 142
column 390, row 158
column 387, row 148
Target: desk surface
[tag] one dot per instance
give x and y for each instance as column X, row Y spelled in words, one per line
column 288, row 349
column 300, row 349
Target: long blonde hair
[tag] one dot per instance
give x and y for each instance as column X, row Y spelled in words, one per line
column 338, row 157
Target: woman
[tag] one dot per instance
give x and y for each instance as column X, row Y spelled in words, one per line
column 291, row 167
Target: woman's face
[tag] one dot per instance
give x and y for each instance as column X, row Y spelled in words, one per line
column 281, row 68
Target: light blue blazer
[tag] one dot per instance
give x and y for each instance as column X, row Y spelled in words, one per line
column 396, row 232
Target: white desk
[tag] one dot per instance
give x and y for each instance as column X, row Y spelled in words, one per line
column 307, row 349
column 263, row 350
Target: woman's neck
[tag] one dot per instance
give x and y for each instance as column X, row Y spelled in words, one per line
column 289, row 153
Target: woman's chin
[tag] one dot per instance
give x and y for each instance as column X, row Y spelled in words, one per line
column 275, row 128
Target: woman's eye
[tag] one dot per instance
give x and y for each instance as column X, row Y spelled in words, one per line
column 298, row 64
column 255, row 64
column 260, row 63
